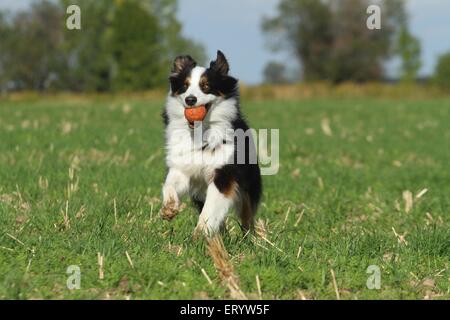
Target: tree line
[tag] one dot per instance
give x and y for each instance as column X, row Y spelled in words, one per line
column 122, row 45
column 330, row 40
column 127, row 45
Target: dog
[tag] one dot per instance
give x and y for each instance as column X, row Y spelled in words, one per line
column 219, row 182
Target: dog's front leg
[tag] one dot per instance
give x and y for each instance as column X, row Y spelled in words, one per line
column 214, row 211
column 175, row 186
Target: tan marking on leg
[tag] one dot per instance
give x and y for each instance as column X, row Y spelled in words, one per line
column 231, row 191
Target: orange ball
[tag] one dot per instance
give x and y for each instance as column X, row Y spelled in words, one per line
column 195, row 114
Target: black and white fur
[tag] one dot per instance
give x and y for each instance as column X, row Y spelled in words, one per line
column 214, row 185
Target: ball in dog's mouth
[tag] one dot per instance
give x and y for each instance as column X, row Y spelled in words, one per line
column 197, row 113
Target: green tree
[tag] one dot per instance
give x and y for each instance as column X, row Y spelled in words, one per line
column 275, row 73
column 122, row 45
column 88, row 50
column 112, row 44
column 442, row 71
column 5, row 33
column 357, row 53
column 408, row 48
column 330, row 38
column 136, row 48
column 30, row 55
column 174, row 42
column 304, row 28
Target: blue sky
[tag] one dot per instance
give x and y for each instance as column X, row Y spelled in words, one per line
column 234, row 27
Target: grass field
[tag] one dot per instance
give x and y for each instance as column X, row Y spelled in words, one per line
column 361, row 182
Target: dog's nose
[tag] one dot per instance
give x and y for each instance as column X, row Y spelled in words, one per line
column 191, row 100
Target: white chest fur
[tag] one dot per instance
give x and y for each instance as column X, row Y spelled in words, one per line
column 198, row 156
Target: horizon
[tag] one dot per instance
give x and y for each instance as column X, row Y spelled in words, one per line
column 428, row 22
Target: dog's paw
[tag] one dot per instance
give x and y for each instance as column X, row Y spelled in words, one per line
column 200, row 231
column 169, row 210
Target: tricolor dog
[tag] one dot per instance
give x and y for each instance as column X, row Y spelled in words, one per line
column 209, row 154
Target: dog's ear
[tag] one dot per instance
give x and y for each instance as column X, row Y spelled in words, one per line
column 181, row 63
column 220, row 65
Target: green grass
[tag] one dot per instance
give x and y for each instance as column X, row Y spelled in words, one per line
column 348, row 185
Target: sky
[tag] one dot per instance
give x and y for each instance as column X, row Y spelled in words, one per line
column 234, row 26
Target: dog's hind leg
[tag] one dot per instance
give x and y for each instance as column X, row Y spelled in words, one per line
column 175, row 186
column 246, row 212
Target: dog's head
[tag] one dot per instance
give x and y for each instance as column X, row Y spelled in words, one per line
column 196, row 86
